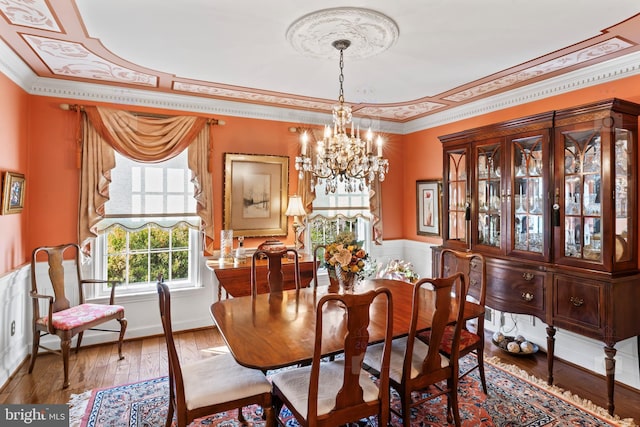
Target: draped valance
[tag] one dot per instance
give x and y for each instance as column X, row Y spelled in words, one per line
column 149, row 139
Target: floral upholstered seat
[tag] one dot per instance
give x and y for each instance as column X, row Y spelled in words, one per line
column 81, row 315
column 56, row 314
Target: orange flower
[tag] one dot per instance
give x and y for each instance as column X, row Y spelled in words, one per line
column 349, row 258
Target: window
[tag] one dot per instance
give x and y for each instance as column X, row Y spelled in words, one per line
column 337, row 213
column 150, row 226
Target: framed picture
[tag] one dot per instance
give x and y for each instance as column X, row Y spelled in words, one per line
column 428, row 205
column 12, row 193
column 255, row 194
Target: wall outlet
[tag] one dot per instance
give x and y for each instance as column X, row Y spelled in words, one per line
column 13, row 328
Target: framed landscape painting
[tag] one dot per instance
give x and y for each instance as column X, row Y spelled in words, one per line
column 12, row 193
column 255, row 194
column 428, row 204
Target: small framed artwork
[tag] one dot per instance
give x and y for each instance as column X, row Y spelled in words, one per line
column 255, row 194
column 428, row 205
column 12, row 193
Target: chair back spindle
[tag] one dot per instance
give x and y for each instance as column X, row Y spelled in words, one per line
column 275, row 275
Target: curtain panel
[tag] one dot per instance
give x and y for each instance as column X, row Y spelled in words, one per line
column 144, row 139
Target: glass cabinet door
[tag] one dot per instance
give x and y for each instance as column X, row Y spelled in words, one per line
column 528, row 194
column 596, row 186
column 624, row 155
column 456, row 206
column 489, row 195
column 582, row 195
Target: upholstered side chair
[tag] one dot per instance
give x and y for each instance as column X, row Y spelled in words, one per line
column 332, row 392
column 57, row 315
column 210, row 385
column 415, row 365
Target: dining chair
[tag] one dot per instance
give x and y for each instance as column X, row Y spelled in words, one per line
column 275, row 275
column 210, row 385
column 472, row 265
column 67, row 314
column 414, row 365
column 335, row 392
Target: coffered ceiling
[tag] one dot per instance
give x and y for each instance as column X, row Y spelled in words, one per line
column 242, row 57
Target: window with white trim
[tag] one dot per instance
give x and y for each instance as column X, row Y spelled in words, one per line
column 150, row 226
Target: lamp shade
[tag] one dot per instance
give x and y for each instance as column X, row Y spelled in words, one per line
column 295, row 207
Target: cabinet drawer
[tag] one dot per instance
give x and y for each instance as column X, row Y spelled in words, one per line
column 577, row 302
column 516, row 290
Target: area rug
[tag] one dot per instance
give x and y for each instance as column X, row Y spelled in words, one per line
column 514, row 399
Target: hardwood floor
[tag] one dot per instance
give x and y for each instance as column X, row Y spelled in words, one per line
column 98, row 366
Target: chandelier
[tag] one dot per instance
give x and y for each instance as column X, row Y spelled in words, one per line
column 341, row 156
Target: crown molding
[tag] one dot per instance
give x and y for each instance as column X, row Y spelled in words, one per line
column 607, row 71
column 15, row 69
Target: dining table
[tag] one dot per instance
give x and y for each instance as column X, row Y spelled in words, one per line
column 275, row 330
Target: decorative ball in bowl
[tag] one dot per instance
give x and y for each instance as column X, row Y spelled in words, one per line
column 514, row 345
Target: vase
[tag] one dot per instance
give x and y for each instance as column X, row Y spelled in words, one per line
column 226, row 246
column 346, row 279
column 334, row 285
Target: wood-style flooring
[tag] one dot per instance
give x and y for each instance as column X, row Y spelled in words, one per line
column 98, row 366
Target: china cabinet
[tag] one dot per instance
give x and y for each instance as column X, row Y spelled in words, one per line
column 550, row 200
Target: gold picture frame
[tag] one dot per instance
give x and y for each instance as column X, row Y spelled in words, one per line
column 428, row 207
column 255, row 194
column 12, row 192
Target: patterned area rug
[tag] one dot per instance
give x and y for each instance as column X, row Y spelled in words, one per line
column 514, row 399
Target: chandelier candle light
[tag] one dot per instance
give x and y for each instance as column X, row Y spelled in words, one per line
column 340, row 155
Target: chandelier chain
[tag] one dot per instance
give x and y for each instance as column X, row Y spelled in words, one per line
column 341, row 78
column 342, row 157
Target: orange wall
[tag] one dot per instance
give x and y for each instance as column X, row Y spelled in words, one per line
column 52, row 152
column 38, row 139
column 423, row 158
column 14, row 249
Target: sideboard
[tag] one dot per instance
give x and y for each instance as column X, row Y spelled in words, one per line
column 550, row 200
column 235, row 278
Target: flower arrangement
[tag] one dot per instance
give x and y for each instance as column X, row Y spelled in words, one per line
column 398, row 270
column 347, row 254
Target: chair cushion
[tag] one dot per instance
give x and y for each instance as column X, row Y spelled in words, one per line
column 79, row 315
column 420, row 350
column 467, row 339
column 294, row 383
column 219, row 379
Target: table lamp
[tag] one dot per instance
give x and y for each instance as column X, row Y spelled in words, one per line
column 295, row 209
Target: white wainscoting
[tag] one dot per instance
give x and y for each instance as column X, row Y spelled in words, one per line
column 190, row 309
column 577, row 349
column 14, row 291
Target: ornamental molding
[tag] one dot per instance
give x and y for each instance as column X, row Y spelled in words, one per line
column 369, row 32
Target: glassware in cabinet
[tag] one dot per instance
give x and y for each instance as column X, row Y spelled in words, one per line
column 488, row 194
column 528, row 188
column 457, row 197
column 596, row 180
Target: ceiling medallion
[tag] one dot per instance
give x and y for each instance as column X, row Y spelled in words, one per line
column 370, row 32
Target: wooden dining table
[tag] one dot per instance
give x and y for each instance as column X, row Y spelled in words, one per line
column 276, row 330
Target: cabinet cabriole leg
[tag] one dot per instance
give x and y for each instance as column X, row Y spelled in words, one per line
column 551, row 332
column 610, row 367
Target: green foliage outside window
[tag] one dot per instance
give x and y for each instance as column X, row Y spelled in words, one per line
column 324, row 230
column 138, row 257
